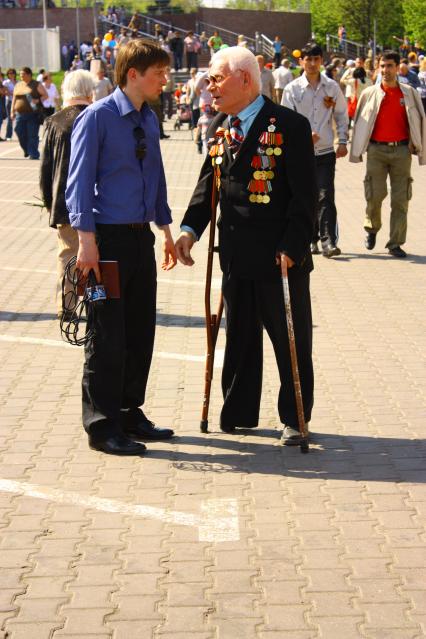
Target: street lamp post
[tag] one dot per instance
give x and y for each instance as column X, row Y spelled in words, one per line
column 77, row 20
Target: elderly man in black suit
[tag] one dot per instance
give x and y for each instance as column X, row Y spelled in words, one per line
column 265, row 158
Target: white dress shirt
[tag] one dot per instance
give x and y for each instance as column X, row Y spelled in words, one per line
column 282, row 77
column 300, row 96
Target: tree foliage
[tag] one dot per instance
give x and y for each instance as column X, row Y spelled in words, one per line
column 392, row 17
column 415, row 20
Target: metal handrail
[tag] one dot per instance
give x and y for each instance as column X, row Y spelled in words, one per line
column 169, row 25
column 210, row 28
column 347, row 47
column 266, row 45
column 116, row 26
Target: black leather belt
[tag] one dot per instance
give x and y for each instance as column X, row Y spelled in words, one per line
column 399, row 143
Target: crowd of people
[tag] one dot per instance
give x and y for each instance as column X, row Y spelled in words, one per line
column 96, row 147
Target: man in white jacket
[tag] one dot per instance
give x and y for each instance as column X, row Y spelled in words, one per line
column 390, row 125
column 321, row 101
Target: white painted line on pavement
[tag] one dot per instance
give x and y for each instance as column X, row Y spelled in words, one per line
column 216, row 281
column 218, row 521
column 19, row 182
column 24, row 228
column 16, row 339
column 17, row 168
column 56, row 343
column 4, row 153
column 27, row 270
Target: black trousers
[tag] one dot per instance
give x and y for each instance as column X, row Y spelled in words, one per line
column 118, row 358
column 251, row 305
column 326, row 222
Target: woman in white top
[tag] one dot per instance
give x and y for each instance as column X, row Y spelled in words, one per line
column 52, row 101
column 356, row 85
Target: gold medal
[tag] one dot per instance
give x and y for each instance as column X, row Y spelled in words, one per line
column 257, row 175
column 269, row 175
column 253, row 198
column 259, row 198
column 277, row 150
column 266, row 199
column 269, row 151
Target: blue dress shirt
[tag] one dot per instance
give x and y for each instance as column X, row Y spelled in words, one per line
column 247, row 117
column 107, row 184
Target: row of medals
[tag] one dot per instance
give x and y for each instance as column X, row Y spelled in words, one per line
column 270, row 146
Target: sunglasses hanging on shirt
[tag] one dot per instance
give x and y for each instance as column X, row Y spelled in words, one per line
column 140, row 149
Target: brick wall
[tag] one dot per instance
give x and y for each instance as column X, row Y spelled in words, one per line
column 293, row 28
column 65, row 19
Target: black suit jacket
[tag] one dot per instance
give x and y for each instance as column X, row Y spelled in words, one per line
column 250, row 235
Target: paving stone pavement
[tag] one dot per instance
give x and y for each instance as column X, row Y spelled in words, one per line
column 328, row 545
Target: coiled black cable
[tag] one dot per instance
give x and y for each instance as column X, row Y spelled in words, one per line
column 77, row 312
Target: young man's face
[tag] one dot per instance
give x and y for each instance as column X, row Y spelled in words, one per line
column 312, row 64
column 150, row 84
column 389, row 70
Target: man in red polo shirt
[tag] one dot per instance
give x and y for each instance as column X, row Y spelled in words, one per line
column 390, row 125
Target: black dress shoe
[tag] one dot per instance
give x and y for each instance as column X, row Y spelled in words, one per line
column 227, row 429
column 370, row 241
column 314, row 248
column 397, row 251
column 137, row 425
column 232, row 429
column 331, row 250
column 164, row 137
column 118, row 445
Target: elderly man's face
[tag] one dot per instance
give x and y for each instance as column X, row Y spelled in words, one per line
column 226, row 87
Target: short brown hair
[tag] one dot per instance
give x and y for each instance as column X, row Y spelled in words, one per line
column 138, row 54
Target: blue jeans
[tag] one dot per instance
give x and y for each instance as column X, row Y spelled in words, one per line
column 26, row 128
column 9, row 126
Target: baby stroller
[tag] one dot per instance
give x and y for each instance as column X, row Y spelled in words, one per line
column 183, row 116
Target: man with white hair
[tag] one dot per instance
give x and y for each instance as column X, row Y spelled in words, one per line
column 77, row 91
column 264, row 154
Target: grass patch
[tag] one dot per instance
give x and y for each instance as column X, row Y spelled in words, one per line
column 57, row 79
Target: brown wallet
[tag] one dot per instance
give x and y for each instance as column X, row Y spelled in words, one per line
column 109, row 278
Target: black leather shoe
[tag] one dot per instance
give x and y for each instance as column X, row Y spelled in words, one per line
column 397, row 251
column 118, row 445
column 331, row 250
column 164, row 137
column 370, row 241
column 314, row 248
column 232, row 429
column 137, row 425
column 227, row 429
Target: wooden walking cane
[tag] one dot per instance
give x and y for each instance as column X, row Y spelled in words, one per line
column 304, row 444
column 212, row 321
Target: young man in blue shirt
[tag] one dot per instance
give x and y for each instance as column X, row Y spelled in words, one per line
column 116, row 187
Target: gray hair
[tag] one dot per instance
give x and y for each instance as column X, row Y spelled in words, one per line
column 77, row 84
column 240, row 59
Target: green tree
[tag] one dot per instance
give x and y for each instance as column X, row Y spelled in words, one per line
column 415, row 20
column 359, row 16
column 187, row 6
column 326, row 17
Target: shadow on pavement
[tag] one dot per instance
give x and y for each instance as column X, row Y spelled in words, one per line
column 332, row 457
column 412, row 259
column 184, row 321
column 6, row 316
